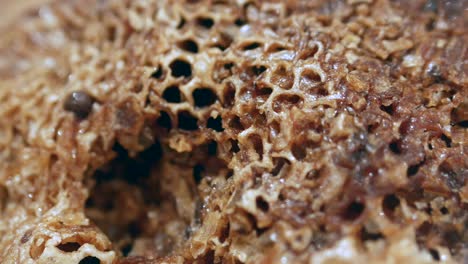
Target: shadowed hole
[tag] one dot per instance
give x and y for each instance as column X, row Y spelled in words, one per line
column 158, row 73
column 187, row 121
column 197, row 173
column 134, row 230
column 229, row 95
column 172, row 94
column 321, row 91
column 180, row 68
column 229, row 174
column 299, row 151
column 234, row 146
column 126, row 249
column 452, row 238
column 387, row 109
column 463, row 124
column 215, row 123
column 368, row 236
column 280, row 163
column 209, row 257
column 435, row 254
column 204, row 97
column 447, row 141
column 240, row 22
column 412, row 170
column 69, row 246
column 389, row 205
column 263, row 93
column 182, row 23
column 353, row 211
column 394, row 146
column 371, row 128
column 90, row 260
column 236, row 124
column 428, row 210
column 257, row 144
column 188, row 45
column 164, row 120
column 251, row 46
column 205, row 22
column 131, row 170
column 258, row 69
column 262, row 204
column 212, row 148
column 276, row 48
column 444, row 210
column 120, row 185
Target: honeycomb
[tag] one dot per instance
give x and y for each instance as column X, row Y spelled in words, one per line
column 299, row 131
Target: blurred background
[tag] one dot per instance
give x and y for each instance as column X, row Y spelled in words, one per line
column 10, row 9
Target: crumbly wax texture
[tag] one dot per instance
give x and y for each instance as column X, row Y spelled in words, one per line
column 300, row 131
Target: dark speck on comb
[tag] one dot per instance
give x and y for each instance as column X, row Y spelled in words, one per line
column 79, row 103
